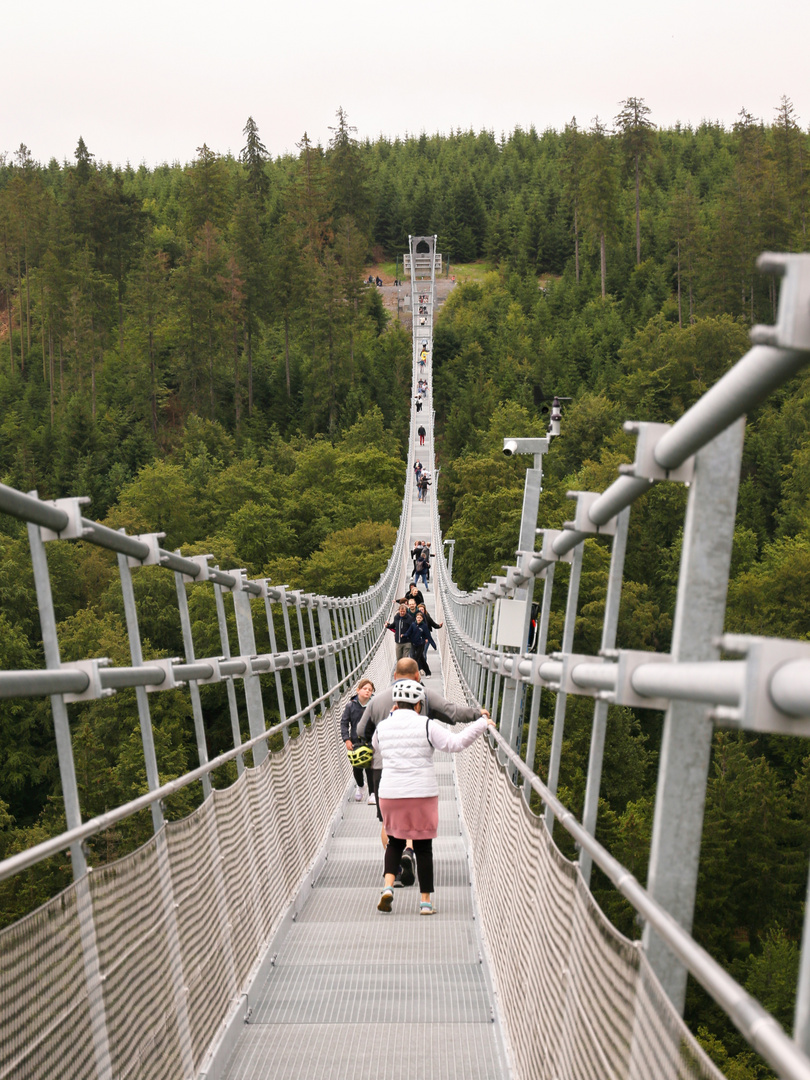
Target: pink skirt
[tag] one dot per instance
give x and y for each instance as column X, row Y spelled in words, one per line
column 411, row 819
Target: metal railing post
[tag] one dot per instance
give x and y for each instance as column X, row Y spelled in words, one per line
column 161, row 847
column 302, row 636
column 193, row 688
column 562, row 697
column 141, row 697
column 282, row 708
column 225, row 645
column 314, row 639
column 600, row 709
column 70, row 796
column 687, row 735
column 330, row 664
column 541, row 641
column 285, row 611
column 247, row 648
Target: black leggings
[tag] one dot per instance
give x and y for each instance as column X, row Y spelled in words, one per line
column 358, row 778
column 423, row 849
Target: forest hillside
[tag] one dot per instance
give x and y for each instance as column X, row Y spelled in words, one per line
column 194, row 348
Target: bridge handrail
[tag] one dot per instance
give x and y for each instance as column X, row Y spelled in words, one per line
column 768, row 691
column 33, row 855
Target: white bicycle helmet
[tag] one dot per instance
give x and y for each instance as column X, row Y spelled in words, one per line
column 408, row 692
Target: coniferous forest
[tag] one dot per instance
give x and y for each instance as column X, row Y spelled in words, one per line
column 193, row 347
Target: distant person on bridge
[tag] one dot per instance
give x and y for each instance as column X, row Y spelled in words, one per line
column 416, row 552
column 352, row 714
column 414, row 594
column 420, row 633
column 400, row 625
column 431, row 624
column 421, row 567
column 418, row 404
column 420, row 431
column 408, row 794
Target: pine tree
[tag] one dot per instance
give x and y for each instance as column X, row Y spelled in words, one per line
column 636, row 137
column 600, row 193
column 573, row 149
column 253, row 157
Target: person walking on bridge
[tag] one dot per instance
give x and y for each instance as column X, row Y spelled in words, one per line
column 377, row 711
column 348, row 732
column 420, row 431
column 400, row 625
column 409, row 788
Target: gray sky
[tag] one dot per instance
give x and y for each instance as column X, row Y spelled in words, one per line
column 153, row 81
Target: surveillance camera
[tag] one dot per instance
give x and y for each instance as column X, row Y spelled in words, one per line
column 510, row 447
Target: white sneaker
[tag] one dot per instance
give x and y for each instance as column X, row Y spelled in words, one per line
column 372, row 799
column 358, row 795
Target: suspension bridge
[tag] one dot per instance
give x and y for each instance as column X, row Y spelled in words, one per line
column 243, row 941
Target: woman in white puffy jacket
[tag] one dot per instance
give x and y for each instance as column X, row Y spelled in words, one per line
column 409, row 790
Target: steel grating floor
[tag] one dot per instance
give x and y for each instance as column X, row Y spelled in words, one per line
column 359, row 995
column 365, row 996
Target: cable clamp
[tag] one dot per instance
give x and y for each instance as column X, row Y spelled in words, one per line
column 74, row 530
column 202, row 562
column 792, row 329
column 645, row 466
column 92, row 669
column 153, row 558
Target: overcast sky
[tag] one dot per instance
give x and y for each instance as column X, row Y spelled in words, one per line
column 154, row 80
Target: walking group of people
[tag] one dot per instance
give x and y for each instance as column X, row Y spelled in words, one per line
column 411, row 627
column 393, row 735
column 422, row 480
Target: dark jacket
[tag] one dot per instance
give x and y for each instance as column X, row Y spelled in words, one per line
column 436, row 707
column 399, row 625
column 417, row 596
column 352, row 715
column 418, row 635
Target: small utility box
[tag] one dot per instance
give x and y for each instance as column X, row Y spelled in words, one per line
column 510, row 623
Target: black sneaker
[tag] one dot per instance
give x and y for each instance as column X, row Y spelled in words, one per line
column 398, row 879
column 406, row 869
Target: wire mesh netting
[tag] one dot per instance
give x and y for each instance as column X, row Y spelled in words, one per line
column 178, row 924
column 577, row 997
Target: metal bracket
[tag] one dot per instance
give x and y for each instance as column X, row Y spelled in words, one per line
column 202, row 562
column 792, row 329
column 152, row 540
column 645, row 466
column 91, row 668
column 74, row 530
column 169, row 681
column 628, row 661
column 547, row 551
column 757, row 711
column 582, row 522
column 569, row 662
column 240, row 577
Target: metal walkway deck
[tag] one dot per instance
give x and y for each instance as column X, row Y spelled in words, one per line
column 359, row 995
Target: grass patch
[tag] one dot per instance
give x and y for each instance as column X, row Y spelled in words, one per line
column 465, row 272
